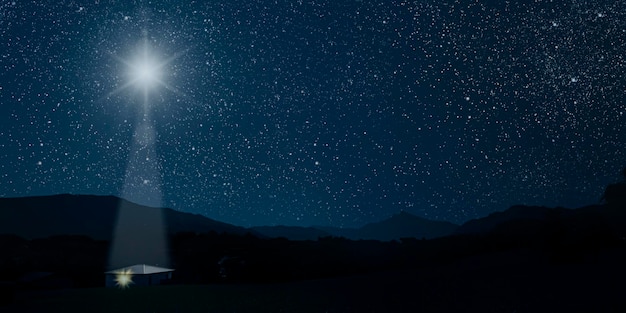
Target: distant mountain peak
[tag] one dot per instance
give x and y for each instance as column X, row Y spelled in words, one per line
column 403, row 214
column 514, row 213
column 400, row 225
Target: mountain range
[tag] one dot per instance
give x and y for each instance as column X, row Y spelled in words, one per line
column 96, row 217
column 401, row 225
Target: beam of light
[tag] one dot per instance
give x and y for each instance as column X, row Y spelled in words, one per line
column 140, row 235
column 124, row 278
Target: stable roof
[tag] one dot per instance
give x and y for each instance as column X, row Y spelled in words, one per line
column 140, row 269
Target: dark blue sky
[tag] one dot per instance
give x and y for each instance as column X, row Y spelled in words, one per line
column 315, row 112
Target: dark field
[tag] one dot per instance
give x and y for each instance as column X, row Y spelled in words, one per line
column 526, row 259
column 497, row 283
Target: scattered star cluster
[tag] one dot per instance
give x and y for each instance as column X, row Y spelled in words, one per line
column 315, row 112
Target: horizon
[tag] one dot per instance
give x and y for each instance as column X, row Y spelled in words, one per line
column 393, row 214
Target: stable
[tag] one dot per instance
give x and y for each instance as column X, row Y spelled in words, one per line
column 137, row 275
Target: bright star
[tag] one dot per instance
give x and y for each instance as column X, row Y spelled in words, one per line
column 145, row 70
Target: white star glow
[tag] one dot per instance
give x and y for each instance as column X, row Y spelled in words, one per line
column 145, row 71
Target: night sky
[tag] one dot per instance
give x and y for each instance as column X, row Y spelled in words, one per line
column 315, row 112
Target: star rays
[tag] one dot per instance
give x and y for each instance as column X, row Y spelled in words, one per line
column 145, row 71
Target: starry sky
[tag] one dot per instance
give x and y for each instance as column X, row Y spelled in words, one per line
column 315, row 112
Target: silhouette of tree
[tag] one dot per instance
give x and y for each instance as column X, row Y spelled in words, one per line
column 615, row 194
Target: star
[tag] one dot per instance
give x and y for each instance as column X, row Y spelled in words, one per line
column 145, row 70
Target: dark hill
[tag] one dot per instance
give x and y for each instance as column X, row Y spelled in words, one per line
column 527, row 223
column 406, row 225
column 291, row 232
column 93, row 216
column 401, row 225
column 514, row 213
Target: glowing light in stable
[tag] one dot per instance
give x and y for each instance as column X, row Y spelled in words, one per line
column 124, row 278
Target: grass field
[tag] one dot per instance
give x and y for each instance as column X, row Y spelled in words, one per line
column 382, row 292
column 470, row 286
column 184, row 298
